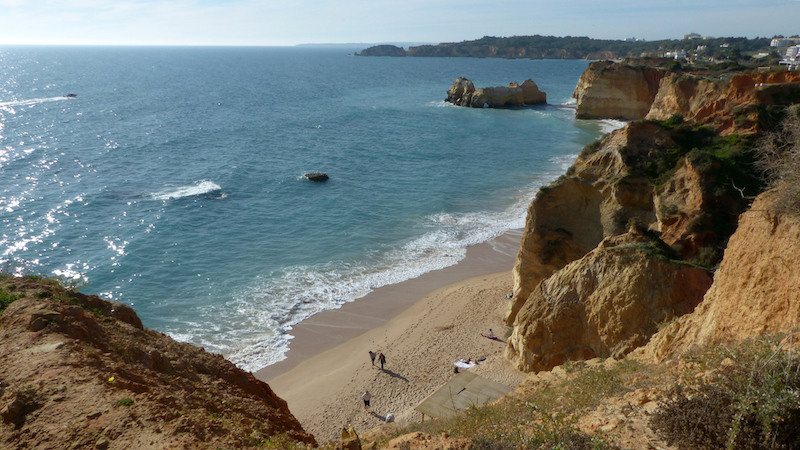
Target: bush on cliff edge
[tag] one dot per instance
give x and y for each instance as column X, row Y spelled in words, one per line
column 779, row 159
column 751, row 402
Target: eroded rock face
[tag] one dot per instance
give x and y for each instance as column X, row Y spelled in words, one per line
column 596, row 199
column 607, row 90
column 80, row 370
column 605, row 304
column 463, row 93
column 714, row 101
column 756, row 289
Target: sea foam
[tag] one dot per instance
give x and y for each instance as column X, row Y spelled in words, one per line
column 198, row 188
column 280, row 301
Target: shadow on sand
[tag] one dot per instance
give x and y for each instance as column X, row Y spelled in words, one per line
column 395, row 375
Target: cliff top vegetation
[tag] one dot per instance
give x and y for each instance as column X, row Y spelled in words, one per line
column 579, row 47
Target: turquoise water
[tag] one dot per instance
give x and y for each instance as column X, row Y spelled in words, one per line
column 173, row 182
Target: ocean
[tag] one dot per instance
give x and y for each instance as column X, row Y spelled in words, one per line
column 173, row 180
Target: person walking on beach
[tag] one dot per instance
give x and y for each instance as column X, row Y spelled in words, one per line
column 372, row 356
column 366, row 396
column 382, row 359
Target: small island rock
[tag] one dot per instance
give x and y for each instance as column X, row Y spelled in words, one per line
column 383, row 50
column 316, row 176
column 463, row 93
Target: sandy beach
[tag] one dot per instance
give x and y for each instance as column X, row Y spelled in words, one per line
column 422, row 326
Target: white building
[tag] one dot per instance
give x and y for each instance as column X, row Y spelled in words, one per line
column 677, row 54
column 791, row 58
column 784, row 42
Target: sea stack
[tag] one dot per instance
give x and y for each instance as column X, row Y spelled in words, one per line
column 463, row 93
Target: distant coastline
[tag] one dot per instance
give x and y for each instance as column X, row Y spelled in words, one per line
column 569, row 47
column 364, row 44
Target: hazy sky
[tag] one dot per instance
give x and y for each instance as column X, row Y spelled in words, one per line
column 290, row 22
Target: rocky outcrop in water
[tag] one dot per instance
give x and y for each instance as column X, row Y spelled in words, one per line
column 463, row 93
column 383, row 50
column 81, row 372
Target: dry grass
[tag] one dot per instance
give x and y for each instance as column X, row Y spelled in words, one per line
column 749, row 400
column 545, row 415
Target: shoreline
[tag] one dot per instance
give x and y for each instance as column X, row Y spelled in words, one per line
column 327, row 329
column 423, row 326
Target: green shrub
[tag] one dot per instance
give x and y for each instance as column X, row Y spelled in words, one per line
column 754, row 404
column 127, row 401
column 6, row 299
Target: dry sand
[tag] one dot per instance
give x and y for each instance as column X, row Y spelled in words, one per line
column 328, row 366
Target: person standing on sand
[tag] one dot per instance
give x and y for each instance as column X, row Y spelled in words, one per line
column 382, row 359
column 366, row 396
column 372, row 356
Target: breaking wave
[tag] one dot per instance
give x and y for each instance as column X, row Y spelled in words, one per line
column 199, row 188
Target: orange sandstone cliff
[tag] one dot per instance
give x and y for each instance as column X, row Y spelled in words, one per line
column 605, row 304
column 583, row 285
column 756, row 289
column 80, row 372
column 608, row 90
column 594, row 200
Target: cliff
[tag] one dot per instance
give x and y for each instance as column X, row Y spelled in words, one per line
column 463, row 93
column 681, row 184
column 665, row 178
column 756, row 289
column 607, row 90
column 81, row 372
column 605, row 304
column 728, row 103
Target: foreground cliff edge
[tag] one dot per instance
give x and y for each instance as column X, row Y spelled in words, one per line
column 80, row 372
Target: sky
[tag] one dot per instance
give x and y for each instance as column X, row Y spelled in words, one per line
column 292, row 22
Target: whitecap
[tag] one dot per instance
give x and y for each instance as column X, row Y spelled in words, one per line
column 564, row 162
column 32, row 101
column 198, row 188
column 440, row 104
column 278, row 301
column 609, row 125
